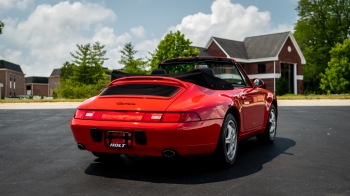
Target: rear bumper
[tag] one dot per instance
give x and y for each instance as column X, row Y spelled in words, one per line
column 185, row 138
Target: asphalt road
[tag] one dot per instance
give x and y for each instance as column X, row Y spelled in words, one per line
column 310, row 156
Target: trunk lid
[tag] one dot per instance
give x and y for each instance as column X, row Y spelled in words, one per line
column 139, row 93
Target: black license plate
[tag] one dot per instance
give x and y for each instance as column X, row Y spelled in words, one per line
column 118, row 139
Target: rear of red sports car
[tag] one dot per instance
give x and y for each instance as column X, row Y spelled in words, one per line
column 192, row 110
column 151, row 116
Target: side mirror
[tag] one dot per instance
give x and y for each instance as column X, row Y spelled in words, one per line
column 258, row 83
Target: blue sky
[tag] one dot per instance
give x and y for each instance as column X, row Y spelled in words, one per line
column 39, row 35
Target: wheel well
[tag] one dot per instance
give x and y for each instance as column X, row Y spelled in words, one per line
column 274, row 102
column 235, row 113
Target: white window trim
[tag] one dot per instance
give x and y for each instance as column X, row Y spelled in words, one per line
column 295, row 79
column 265, row 76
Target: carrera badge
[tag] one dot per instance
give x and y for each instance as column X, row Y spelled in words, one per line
column 125, row 103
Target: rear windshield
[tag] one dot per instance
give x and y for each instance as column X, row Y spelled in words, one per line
column 225, row 71
column 142, row 89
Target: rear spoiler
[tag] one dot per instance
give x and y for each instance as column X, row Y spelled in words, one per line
column 136, row 78
column 197, row 76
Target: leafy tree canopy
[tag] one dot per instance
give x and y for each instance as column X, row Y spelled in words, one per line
column 85, row 76
column 172, row 46
column 66, row 71
column 1, row 26
column 321, row 25
column 336, row 78
column 88, row 61
column 132, row 65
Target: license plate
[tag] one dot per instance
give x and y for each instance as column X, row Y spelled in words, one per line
column 118, row 139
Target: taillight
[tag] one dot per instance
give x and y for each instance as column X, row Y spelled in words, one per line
column 151, row 117
column 79, row 114
column 137, row 116
column 180, row 117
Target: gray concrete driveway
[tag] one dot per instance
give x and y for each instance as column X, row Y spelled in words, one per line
column 310, row 156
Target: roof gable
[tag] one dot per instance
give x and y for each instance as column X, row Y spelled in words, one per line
column 232, row 48
column 265, row 46
column 56, row 72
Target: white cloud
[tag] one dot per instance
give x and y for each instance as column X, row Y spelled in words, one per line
column 146, row 46
column 18, row 4
column 138, row 31
column 50, row 33
column 11, row 55
column 106, row 36
column 227, row 20
column 114, row 56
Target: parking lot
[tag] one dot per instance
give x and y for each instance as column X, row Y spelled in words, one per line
column 311, row 156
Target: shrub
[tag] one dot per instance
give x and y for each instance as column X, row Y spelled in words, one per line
column 54, row 94
column 282, row 87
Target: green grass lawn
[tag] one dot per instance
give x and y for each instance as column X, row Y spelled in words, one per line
column 312, row 96
column 38, row 100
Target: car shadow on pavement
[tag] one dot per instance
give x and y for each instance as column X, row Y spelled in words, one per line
column 192, row 169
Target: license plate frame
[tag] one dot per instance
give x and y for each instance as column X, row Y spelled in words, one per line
column 118, row 139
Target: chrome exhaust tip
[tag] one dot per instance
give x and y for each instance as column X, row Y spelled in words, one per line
column 81, row 146
column 169, row 153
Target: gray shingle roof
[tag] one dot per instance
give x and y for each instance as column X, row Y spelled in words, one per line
column 56, row 72
column 264, row 46
column 11, row 66
column 232, row 48
column 202, row 51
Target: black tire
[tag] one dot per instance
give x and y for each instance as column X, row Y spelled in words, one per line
column 226, row 150
column 105, row 155
column 269, row 134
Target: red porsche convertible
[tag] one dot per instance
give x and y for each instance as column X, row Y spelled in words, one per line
column 188, row 106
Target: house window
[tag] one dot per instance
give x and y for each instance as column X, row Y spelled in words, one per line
column 10, row 83
column 261, row 68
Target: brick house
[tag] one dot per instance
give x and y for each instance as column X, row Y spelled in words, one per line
column 268, row 57
column 54, row 80
column 37, row 86
column 12, row 79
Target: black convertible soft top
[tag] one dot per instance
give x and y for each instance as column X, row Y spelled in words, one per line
column 197, row 76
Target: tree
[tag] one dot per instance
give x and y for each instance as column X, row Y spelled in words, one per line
column 336, row 78
column 97, row 57
column 321, row 25
column 1, row 26
column 132, row 65
column 88, row 61
column 66, row 71
column 85, row 76
column 172, row 46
